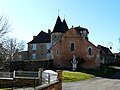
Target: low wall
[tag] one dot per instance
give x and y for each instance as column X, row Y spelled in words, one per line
column 18, row 82
column 6, row 83
column 56, row 85
column 51, row 86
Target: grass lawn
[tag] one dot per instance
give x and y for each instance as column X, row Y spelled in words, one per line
column 5, row 89
column 68, row 76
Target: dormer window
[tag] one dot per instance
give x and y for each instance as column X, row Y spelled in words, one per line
column 81, row 32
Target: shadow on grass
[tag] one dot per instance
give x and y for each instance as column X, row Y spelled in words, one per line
column 105, row 72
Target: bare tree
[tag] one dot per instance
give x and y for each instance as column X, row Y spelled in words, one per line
column 4, row 26
column 119, row 44
column 12, row 46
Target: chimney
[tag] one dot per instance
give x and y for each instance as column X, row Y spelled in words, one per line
column 49, row 31
column 34, row 37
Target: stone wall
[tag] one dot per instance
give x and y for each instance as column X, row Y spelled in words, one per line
column 17, row 82
column 41, row 51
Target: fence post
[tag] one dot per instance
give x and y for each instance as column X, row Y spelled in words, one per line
column 14, row 74
column 59, row 77
column 13, row 80
column 40, row 75
column 48, row 78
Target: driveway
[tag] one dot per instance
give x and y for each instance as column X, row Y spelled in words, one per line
column 97, row 83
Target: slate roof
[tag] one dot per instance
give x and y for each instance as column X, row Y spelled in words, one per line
column 106, row 50
column 60, row 26
column 42, row 37
column 65, row 26
column 81, row 29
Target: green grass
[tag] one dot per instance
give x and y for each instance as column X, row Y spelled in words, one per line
column 75, row 76
column 5, row 89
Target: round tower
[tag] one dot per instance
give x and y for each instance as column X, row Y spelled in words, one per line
column 59, row 29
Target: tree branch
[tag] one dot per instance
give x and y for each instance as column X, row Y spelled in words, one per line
column 4, row 26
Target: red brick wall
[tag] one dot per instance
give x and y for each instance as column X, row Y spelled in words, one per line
column 81, row 45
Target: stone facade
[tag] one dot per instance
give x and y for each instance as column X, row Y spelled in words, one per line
column 41, row 52
column 63, row 53
column 55, row 37
column 106, row 56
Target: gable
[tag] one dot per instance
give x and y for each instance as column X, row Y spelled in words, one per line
column 42, row 37
column 106, row 50
column 72, row 33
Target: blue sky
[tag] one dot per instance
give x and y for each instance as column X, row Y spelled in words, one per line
column 100, row 17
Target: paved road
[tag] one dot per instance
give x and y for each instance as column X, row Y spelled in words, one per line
column 93, row 84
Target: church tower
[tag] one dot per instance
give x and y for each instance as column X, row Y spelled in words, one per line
column 59, row 28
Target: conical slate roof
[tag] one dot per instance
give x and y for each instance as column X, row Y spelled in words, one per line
column 65, row 26
column 60, row 26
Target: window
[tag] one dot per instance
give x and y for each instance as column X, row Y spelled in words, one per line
column 33, row 46
column 72, row 47
column 48, row 51
column 48, row 46
column 33, row 56
column 81, row 32
column 42, row 56
column 55, row 36
column 57, row 51
column 90, row 51
column 58, row 65
column 41, row 47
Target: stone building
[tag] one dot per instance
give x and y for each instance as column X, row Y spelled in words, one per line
column 39, row 47
column 117, row 57
column 106, row 56
column 61, row 45
column 75, row 42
